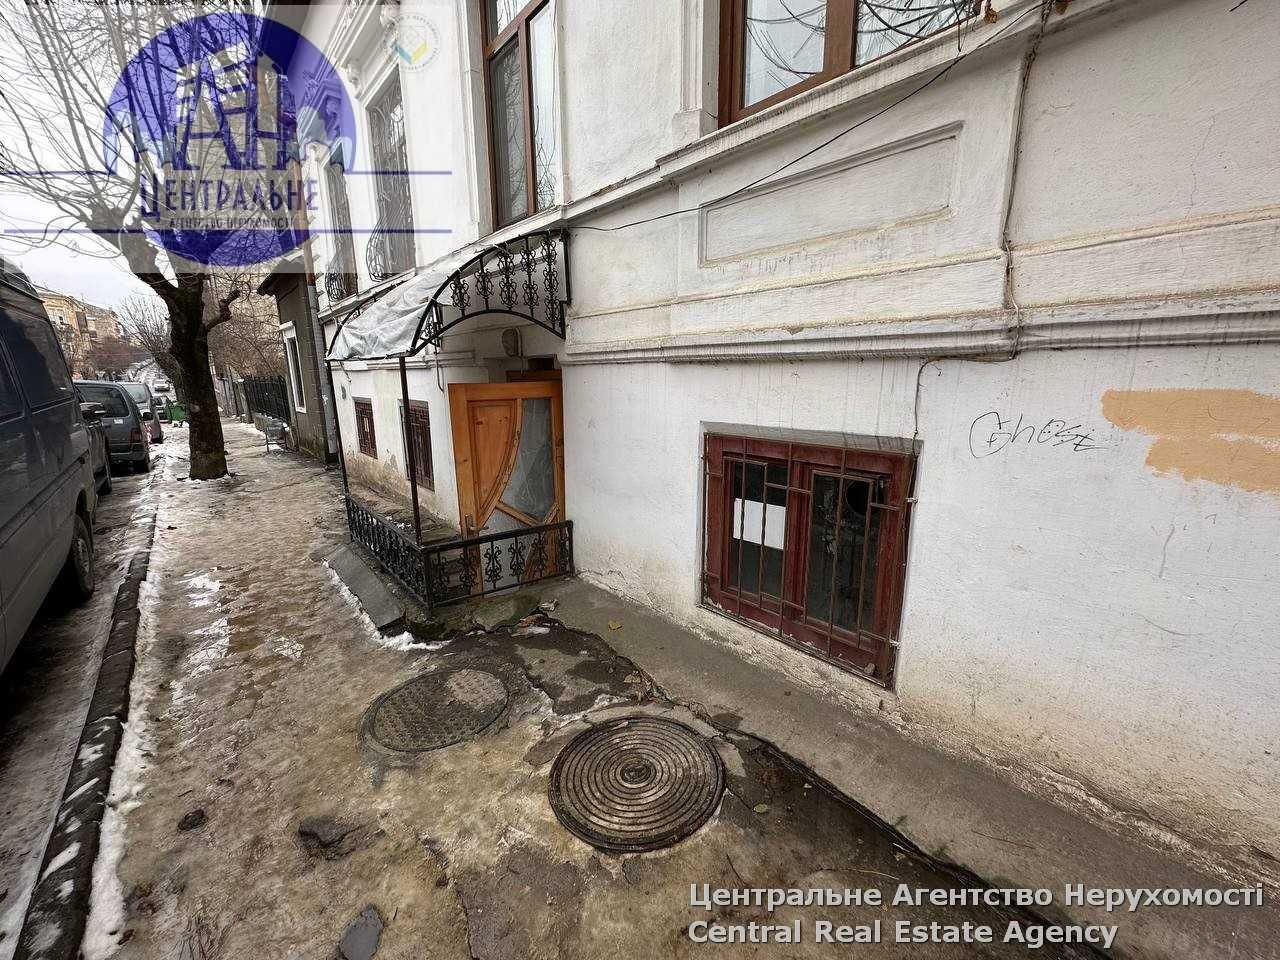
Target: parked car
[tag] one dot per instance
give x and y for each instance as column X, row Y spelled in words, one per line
column 124, row 422
column 149, row 405
column 47, row 489
column 163, row 394
column 99, row 454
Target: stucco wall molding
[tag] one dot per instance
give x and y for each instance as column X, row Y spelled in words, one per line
column 1246, row 318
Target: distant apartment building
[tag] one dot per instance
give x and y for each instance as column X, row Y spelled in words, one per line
column 80, row 326
column 104, row 324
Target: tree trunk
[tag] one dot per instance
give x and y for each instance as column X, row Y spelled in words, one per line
column 208, row 449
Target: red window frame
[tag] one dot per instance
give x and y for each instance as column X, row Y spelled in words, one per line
column 366, row 437
column 416, row 424
column 870, row 648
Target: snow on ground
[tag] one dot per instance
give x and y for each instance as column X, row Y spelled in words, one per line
column 106, row 894
column 203, row 588
column 284, row 647
column 403, row 642
column 61, row 860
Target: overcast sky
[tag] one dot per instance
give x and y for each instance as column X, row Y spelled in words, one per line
column 105, row 282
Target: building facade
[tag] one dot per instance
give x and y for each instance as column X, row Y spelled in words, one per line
column 312, row 417
column 931, row 362
column 89, row 335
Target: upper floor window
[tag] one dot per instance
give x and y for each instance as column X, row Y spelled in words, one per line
column 523, row 105
column 391, row 246
column 340, row 273
column 774, row 49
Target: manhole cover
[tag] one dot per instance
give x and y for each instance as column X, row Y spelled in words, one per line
column 437, row 709
column 637, row 783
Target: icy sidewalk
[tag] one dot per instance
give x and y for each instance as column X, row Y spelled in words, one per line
column 269, row 805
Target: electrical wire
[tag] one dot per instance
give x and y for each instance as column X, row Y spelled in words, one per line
column 825, row 143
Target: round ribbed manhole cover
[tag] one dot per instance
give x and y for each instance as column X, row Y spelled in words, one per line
column 437, row 709
column 635, row 784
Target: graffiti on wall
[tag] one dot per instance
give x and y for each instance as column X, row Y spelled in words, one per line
column 990, row 433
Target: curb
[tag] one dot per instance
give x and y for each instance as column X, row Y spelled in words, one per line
column 53, row 927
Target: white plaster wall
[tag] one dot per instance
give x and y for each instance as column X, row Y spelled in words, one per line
column 1074, row 614
column 380, row 383
column 1078, row 616
column 620, row 64
column 1148, row 156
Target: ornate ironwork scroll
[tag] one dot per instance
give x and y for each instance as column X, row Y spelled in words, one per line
column 454, row 570
column 498, row 561
column 523, row 278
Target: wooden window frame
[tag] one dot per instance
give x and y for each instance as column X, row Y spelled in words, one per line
column 518, row 29
column 392, row 193
column 839, row 54
column 871, row 651
column 366, row 443
column 425, row 465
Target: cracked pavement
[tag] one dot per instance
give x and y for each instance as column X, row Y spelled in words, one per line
column 255, row 673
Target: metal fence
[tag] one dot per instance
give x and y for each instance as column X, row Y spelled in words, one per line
column 455, row 570
column 268, row 395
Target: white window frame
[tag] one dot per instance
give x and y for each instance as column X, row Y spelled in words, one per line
column 293, row 361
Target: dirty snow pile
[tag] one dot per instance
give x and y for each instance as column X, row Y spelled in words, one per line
column 403, row 642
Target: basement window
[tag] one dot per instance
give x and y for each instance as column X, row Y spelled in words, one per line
column 808, row 543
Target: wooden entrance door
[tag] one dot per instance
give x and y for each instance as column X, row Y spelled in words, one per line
column 508, row 448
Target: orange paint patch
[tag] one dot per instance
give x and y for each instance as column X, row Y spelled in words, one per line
column 1231, row 437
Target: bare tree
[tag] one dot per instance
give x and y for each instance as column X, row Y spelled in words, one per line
column 146, row 323
column 249, row 342
column 110, row 357
column 65, row 139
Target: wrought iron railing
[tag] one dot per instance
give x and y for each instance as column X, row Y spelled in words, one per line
column 440, row 573
column 340, row 280
column 390, row 545
column 477, row 566
column 390, row 249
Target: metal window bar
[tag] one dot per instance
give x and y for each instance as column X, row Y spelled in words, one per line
column 390, row 250
column 340, row 279
column 863, row 634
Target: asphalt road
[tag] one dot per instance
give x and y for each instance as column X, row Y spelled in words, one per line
column 44, row 693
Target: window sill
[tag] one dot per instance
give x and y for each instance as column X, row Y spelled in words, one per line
column 763, row 631
column 861, row 83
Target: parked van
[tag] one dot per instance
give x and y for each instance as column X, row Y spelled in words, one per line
column 127, row 440
column 149, row 406
column 47, row 489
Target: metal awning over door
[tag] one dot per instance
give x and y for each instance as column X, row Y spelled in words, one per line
column 526, row 278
